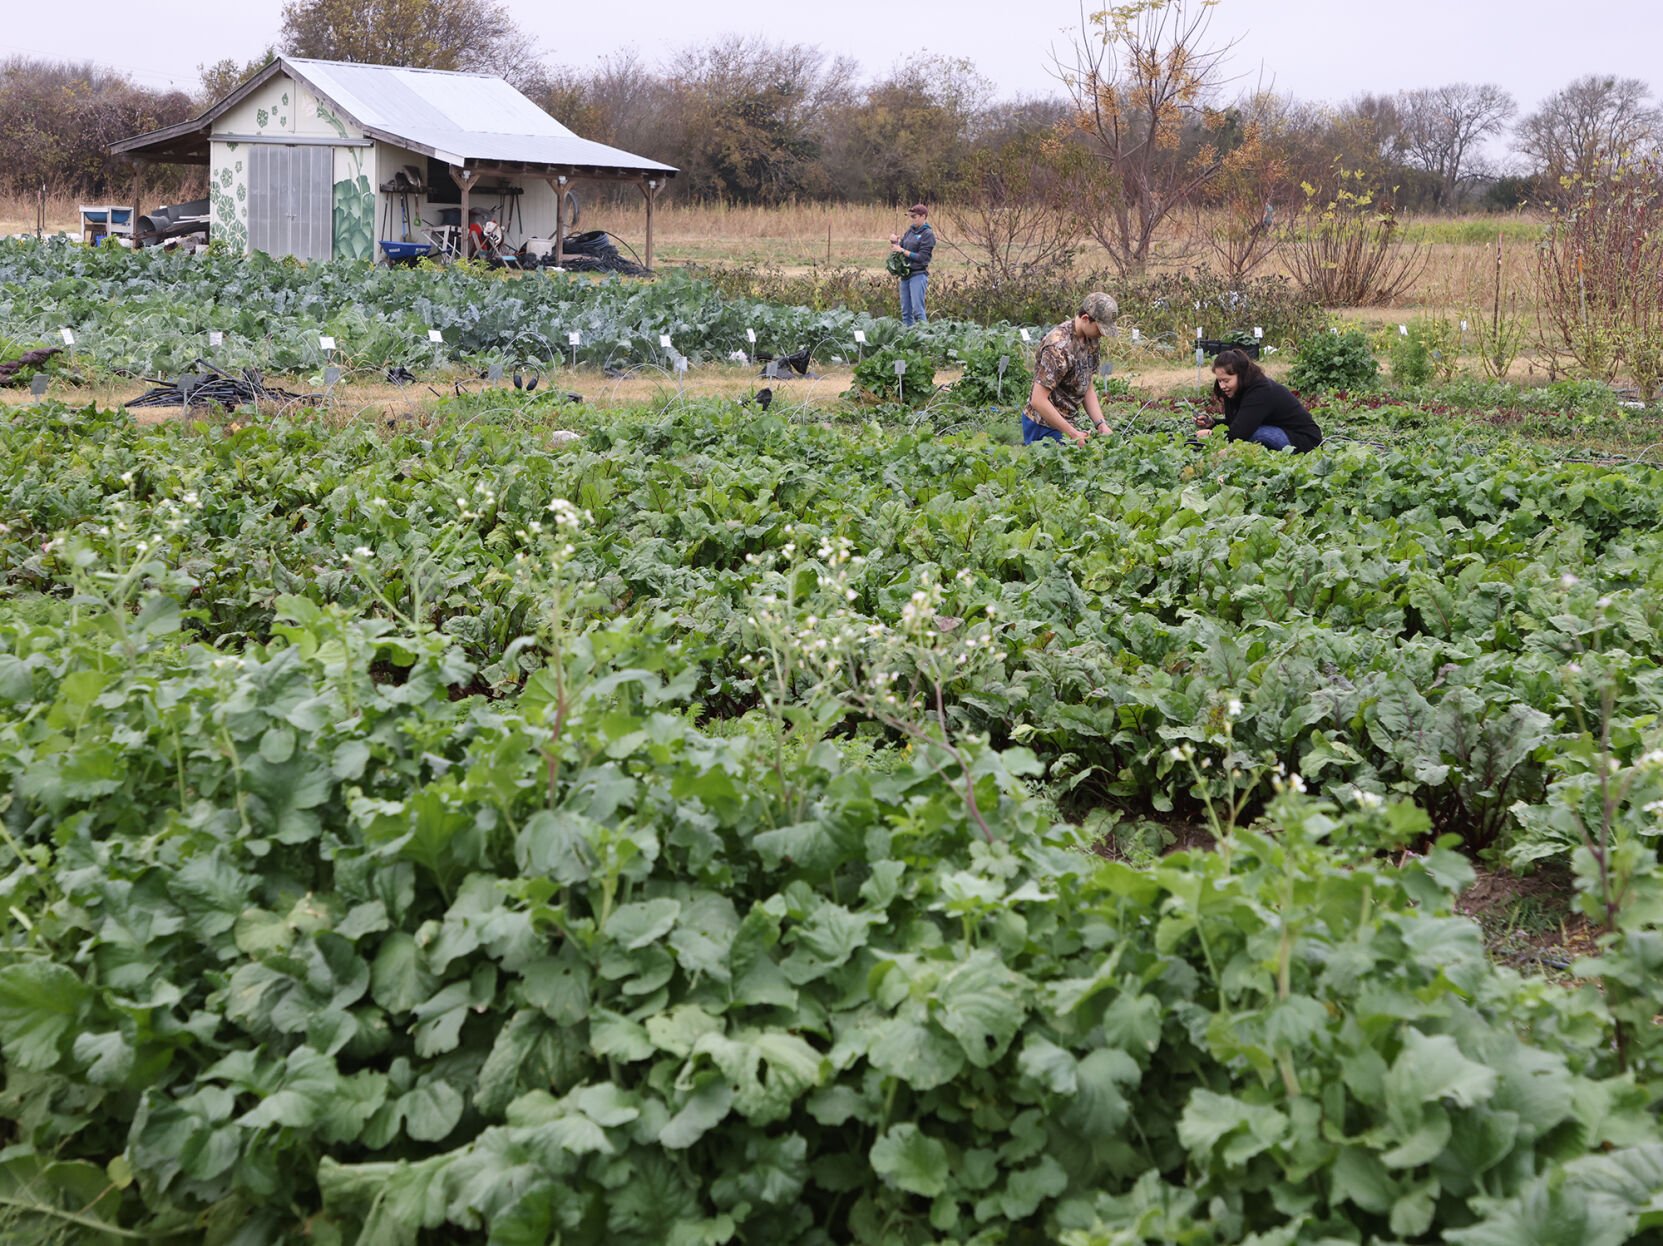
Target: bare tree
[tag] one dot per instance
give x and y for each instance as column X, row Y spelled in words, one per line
column 1443, row 128
column 1594, row 121
column 1015, row 210
column 1144, row 83
column 58, row 119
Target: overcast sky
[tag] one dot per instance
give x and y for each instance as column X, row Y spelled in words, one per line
column 1313, row 49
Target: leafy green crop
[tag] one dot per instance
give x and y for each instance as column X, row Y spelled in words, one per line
column 151, row 313
column 1334, row 361
column 444, row 834
column 901, row 373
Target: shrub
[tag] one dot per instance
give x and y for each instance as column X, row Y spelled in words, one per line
column 876, row 378
column 986, row 384
column 1411, row 356
column 1335, row 361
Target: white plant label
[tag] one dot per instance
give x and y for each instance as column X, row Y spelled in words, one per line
column 331, row 375
column 750, row 336
column 68, row 336
column 664, row 340
column 433, row 335
column 215, row 338
column 1258, row 333
column 1137, row 335
column 1403, row 330
column 574, row 338
column 1197, row 333
column 900, row 367
column 326, row 342
column 1025, row 336
column 1463, row 326
column 860, row 336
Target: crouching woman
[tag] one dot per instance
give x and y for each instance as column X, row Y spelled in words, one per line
column 1258, row 409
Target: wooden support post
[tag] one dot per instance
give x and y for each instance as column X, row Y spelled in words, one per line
column 465, row 178
column 559, row 184
column 649, row 188
column 138, row 196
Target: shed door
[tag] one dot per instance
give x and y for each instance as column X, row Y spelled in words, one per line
column 290, row 200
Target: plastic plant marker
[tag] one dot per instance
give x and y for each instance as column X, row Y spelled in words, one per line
column 1403, row 330
column 433, row 335
column 325, row 342
column 860, row 336
column 750, row 336
column 216, row 337
column 1025, row 336
column 1258, row 333
column 664, row 340
column 1137, row 335
column 331, row 375
column 900, row 367
column 574, row 338
column 493, row 372
column 68, row 336
column 1197, row 333
column 1463, row 326
column 38, row 384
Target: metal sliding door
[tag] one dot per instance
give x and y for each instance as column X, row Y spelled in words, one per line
column 290, row 200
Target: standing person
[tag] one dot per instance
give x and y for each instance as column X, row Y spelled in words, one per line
column 1063, row 368
column 915, row 247
column 1258, row 409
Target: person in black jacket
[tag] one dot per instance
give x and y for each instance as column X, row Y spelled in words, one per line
column 916, row 246
column 1257, row 408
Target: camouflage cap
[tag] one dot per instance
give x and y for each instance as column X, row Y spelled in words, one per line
column 1101, row 308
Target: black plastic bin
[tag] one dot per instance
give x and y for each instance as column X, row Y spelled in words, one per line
column 1213, row 346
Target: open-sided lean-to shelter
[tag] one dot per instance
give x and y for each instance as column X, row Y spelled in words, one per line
column 303, row 158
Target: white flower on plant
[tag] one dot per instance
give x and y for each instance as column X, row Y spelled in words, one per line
column 1369, row 800
column 1603, row 602
column 1295, row 783
column 126, row 478
column 1568, row 580
column 1652, row 758
column 1233, row 707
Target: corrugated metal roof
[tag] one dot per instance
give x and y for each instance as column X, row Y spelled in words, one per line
column 458, row 117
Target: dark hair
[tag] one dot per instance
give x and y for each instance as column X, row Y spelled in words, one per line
column 1238, row 363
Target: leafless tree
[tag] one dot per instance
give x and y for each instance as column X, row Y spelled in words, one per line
column 1014, row 210
column 1595, row 120
column 58, row 118
column 1144, row 83
column 1443, row 128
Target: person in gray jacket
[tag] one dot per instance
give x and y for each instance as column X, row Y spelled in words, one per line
column 916, row 246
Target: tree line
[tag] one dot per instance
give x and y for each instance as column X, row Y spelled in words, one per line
column 1144, row 118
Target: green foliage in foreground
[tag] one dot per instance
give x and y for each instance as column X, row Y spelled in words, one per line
column 315, row 940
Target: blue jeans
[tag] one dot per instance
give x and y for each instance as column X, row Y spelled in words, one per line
column 912, row 298
column 1033, row 430
column 1270, row 437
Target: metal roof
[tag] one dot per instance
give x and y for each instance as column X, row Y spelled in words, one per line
column 460, row 118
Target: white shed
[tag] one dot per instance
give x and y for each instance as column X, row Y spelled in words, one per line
column 326, row 159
